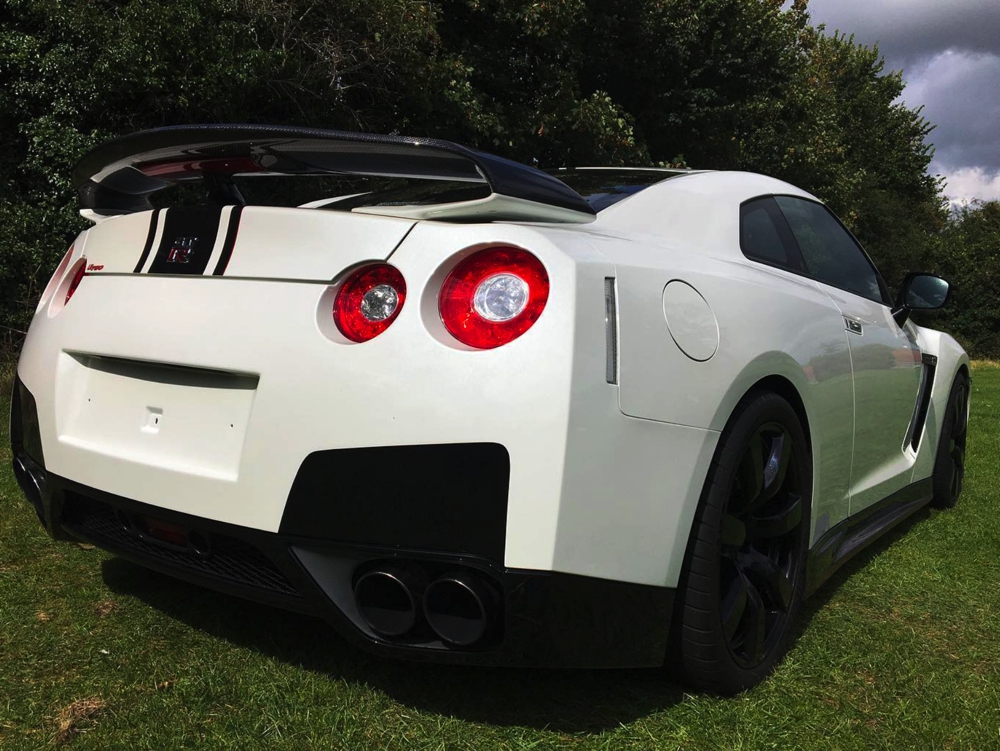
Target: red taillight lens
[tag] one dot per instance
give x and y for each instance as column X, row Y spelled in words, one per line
column 494, row 296
column 369, row 301
column 78, row 274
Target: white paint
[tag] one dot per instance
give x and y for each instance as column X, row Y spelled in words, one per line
column 604, row 480
column 690, row 321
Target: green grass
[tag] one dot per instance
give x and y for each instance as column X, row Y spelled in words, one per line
column 901, row 650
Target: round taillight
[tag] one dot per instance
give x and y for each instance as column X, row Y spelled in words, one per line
column 79, row 272
column 368, row 302
column 493, row 296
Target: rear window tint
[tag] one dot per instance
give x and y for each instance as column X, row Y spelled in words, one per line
column 759, row 237
column 765, row 237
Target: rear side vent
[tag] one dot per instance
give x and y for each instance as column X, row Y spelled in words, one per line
column 611, row 330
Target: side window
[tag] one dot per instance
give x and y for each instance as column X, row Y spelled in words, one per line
column 764, row 235
column 830, row 253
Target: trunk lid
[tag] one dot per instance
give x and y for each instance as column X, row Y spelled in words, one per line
column 241, row 241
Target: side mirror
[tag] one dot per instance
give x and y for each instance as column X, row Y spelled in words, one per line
column 920, row 292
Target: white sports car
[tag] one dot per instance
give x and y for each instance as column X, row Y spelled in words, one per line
column 486, row 414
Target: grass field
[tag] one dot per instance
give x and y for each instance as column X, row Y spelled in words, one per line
column 901, row 650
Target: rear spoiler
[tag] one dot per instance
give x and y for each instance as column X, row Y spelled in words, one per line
column 119, row 176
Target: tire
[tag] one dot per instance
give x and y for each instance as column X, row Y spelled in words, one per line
column 741, row 587
column 949, row 465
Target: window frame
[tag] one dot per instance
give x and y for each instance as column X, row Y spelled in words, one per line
column 882, row 286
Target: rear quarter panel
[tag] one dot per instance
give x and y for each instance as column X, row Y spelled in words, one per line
column 770, row 323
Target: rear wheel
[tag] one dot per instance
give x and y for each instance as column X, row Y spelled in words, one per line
column 949, row 466
column 744, row 572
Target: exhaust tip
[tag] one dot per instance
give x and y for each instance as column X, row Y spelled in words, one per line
column 385, row 602
column 460, row 608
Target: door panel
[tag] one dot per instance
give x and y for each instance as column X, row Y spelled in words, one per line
column 766, row 238
column 886, row 363
column 885, row 359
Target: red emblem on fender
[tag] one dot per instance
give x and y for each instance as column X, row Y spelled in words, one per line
column 95, row 267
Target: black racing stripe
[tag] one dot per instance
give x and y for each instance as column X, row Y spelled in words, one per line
column 149, row 241
column 227, row 246
column 189, row 234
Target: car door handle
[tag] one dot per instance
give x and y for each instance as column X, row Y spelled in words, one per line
column 853, row 326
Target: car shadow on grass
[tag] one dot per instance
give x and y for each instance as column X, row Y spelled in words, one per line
column 571, row 701
column 822, row 596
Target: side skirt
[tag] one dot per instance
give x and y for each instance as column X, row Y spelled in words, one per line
column 855, row 533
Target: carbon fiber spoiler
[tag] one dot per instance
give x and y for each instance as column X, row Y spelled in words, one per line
column 119, row 176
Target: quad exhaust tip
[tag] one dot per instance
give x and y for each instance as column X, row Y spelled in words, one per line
column 459, row 607
column 385, row 600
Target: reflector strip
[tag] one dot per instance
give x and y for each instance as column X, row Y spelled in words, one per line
column 611, row 330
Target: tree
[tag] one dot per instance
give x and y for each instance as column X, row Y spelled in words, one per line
column 967, row 253
column 848, row 140
column 697, row 75
column 723, row 84
column 76, row 72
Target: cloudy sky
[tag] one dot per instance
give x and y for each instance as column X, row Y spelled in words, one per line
column 949, row 52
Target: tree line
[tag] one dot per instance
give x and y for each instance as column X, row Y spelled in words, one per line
column 714, row 84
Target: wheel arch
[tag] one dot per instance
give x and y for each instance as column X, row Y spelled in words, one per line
column 784, row 388
column 706, row 530
column 773, row 383
column 772, row 371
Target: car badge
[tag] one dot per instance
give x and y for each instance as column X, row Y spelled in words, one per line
column 181, row 249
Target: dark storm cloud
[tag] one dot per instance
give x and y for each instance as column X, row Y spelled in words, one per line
column 949, row 52
column 961, row 94
column 909, row 30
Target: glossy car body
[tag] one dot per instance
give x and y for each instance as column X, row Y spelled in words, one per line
column 219, row 427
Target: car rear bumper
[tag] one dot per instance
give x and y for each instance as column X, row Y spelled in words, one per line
column 209, row 398
column 537, row 618
column 334, row 530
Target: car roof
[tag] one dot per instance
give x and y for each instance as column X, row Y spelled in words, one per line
column 700, row 207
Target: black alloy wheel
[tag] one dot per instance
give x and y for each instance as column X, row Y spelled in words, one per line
column 949, row 466
column 744, row 572
column 761, row 545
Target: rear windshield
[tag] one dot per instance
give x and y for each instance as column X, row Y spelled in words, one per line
column 600, row 187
